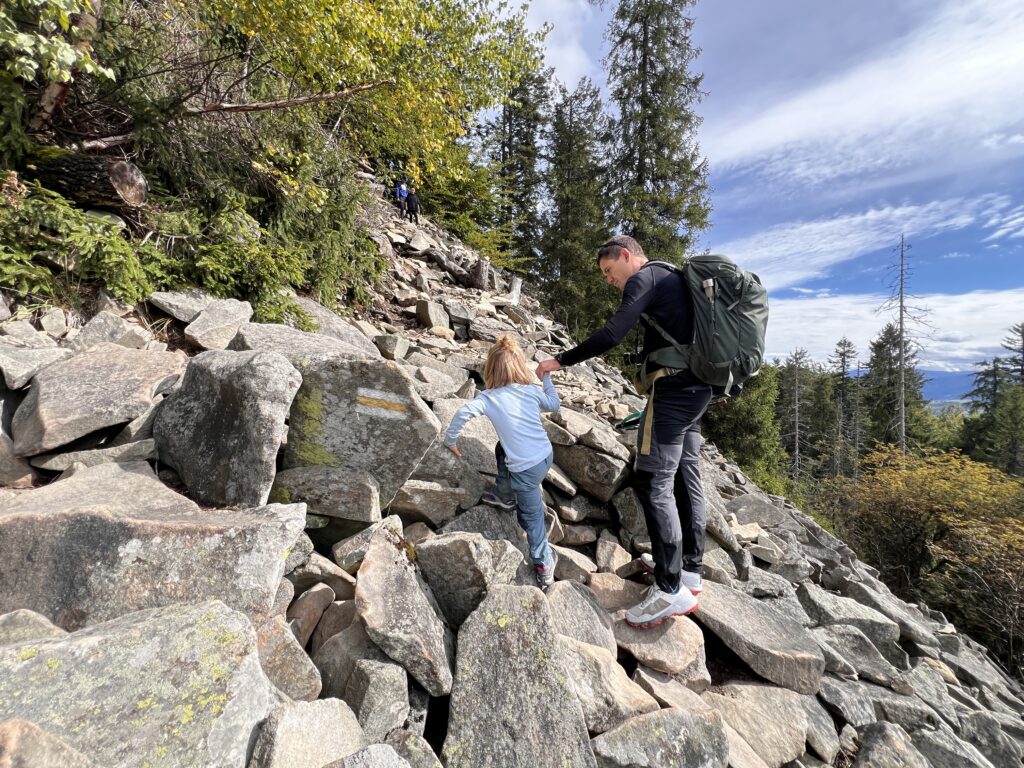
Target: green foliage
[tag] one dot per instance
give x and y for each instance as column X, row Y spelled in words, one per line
column 881, row 391
column 745, row 430
column 40, row 42
column 659, row 176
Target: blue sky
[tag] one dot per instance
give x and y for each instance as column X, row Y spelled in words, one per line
column 830, row 127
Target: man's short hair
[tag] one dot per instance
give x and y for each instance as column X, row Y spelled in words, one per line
column 613, row 248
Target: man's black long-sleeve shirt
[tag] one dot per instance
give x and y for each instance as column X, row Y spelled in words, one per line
column 655, row 290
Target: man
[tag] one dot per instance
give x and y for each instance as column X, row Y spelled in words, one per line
column 412, row 204
column 667, row 469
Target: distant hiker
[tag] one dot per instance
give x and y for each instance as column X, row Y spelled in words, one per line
column 668, row 474
column 401, row 194
column 513, row 403
column 412, row 205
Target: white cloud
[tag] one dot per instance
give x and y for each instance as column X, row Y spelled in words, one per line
column 923, row 106
column 788, row 254
column 969, row 326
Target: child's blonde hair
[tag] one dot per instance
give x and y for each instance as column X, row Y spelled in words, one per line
column 506, row 364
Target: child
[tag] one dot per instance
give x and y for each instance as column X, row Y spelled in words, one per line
column 513, row 404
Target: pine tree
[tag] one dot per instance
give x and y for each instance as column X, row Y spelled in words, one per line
column 793, row 413
column 882, row 389
column 843, row 455
column 577, row 222
column 1005, row 444
column 1014, row 343
column 660, row 178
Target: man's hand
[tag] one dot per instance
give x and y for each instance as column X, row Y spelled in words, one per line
column 547, row 367
column 454, row 449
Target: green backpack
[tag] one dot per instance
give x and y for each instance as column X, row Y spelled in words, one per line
column 730, row 315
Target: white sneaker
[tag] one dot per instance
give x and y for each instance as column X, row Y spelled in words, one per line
column 658, row 606
column 691, row 581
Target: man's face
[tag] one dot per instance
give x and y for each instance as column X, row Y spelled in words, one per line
column 617, row 271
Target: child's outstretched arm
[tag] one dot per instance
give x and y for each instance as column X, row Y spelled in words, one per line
column 464, row 414
column 550, row 401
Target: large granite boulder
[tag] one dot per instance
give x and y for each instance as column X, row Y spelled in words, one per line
column 774, row 646
column 23, row 624
column 101, row 388
column 401, row 615
column 20, row 363
column 26, row 745
column 330, row 492
column 113, row 539
column 222, row 430
column 294, row 344
column 597, row 473
column 307, row 733
column 178, row 686
column 218, row 322
column 771, row 720
column 511, row 705
column 884, row 745
column 329, row 324
column 359, row 415
column 668, row 737
column 576, row 613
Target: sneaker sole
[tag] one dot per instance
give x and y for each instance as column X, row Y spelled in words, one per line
column 650, row 572
column 506, row 507
column 662, row 620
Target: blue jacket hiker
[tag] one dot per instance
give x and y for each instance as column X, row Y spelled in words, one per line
column 513, row 403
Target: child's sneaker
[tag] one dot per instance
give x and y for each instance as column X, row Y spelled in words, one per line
column 691, row 580
column 493, row 500
column 658, row 606
column 546, row 571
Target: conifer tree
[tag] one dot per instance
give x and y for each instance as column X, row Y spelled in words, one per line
column 577, row 222
column 843, row 454
column 660, row 178
column 882, row 388
column 1014, row 343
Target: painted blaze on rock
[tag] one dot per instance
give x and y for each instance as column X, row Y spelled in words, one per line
column 360, row 415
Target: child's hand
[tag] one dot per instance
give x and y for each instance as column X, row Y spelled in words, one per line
column 455, row 450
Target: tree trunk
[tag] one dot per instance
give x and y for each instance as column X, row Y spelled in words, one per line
column 89, row 180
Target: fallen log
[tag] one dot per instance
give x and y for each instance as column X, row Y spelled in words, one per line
column 89, row 180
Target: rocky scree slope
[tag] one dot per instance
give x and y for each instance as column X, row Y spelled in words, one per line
column 252, row 549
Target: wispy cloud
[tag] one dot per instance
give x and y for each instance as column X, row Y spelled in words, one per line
column 789, row 254
column 571, row 47
column 949, row 91
column 969, row 326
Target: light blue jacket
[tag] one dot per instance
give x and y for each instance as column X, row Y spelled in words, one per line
column 514, row 411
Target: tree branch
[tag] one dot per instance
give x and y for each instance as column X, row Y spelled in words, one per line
column 283, row 103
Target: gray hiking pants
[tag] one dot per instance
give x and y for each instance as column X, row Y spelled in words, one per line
column 668, row 480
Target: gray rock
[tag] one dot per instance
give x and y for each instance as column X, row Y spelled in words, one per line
column 336, row 619
column 15, row 472
column 181, row 686
column 305, row 613
column 414, row 749
column 222, row 430
column 401, row 615
column 374, row 756
column 982, row 730
column 774, row 646
column 576, row 613
column 392, row 347
column 821, row 730
column 139, row 428
column 378, row 692
column 477, row 440
column 459, row 568
column 329, row 324
column 26, row 745
column 112, row 539
column 604, row 440
column 576, row 423
column 606, row 693
column 19, row 364
column 631, row 513
column 668, row 737
column 573, row 565
column 855, row 648
column 943, row 749
column 285, row 593
column 54, row 322
column 216, row 325
column 181, row 305
column 885, row 745
column 103, row 387
column 597, row 473
column 863, row 703
column 751, row 508
column 431, row 314
column 142, row 450
column 307, row 733
column 506, row 647
column 771, row 720
column 21, row 625
column 675, row 647
column 559, row 480
column 319, row 570
column 359, row 415
column 294, row 344
column 911, row 627
column 826, row 608
column 349, row 553
column 668, row 691
column 338, row 656
column 299, row 553
column 491, row 525
column 5, row 309
column 106, row 327
column 285, row 663
column 609, row 554
column 23, row 330
column 927, row 684
column 331, row 492
column 424, row 501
